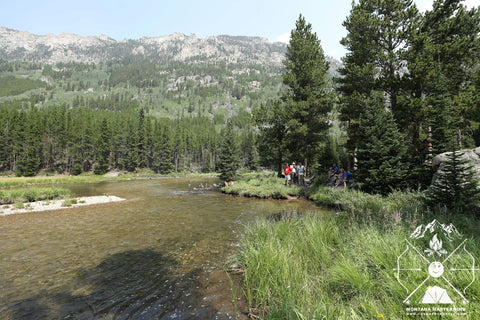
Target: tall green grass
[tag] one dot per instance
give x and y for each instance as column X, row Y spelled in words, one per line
column 343, row 265
column 262, row 186
column 9, row 196
column 375, row 210
column 320, row 267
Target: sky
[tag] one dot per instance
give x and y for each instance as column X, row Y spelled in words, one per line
column 122, row 19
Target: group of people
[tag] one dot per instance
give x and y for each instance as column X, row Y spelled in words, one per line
column 294, row 173
column 339, row 177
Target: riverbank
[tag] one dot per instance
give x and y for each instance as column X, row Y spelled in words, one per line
column 342, row 266
column 58, row 204
column 34, row 194
column 263, row 186
column 13, row 181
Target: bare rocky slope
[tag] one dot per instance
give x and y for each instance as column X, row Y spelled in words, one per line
column 52, row 48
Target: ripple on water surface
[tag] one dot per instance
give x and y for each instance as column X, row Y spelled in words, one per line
column 158, row 255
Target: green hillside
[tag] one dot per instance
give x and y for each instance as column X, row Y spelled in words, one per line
column 168, row 89
column 12, row 86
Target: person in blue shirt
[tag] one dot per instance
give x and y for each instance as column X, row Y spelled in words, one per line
column 347, row 175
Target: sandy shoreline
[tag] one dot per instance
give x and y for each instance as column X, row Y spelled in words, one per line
column 57, row 204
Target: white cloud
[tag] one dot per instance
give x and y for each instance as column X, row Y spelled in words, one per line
column 472, row 3
column 424, row 5
column 333, row 53
column 285, row 38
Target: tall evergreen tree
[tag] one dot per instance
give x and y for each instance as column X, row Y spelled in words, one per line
column 308, row 98
column 377, row 39
column 271, row 119
column 164, row 150
column 28, row 163
column 253, row 158
column 381, row 150
column 103, row 149
column 228, row 159
column 142, row 140
column 131, row 160
column 444, row 54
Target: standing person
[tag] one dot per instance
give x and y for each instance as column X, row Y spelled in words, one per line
column 301, row 174
column 287, row 169
column 294, row 171
column 347, row 175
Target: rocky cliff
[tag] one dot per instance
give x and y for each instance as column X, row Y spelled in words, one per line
column 51, row 48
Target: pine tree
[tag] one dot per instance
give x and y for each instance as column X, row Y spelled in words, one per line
column 308, row 98
column 455, row 186
column 142, row 140
column 130, row 160
column 271, row 120
column 103, row 149
column 444, row 54
column 228, row 159
column 377, row 39
column 27, row 163
column 253, row 158
column 381, row 151
column 165, row 151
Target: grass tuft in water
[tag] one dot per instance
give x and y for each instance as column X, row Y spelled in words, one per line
column 262, row 186
column 69, row 202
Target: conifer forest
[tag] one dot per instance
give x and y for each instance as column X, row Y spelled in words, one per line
column 407, row 87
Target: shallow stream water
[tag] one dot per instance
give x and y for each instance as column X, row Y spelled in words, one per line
column 160, row 254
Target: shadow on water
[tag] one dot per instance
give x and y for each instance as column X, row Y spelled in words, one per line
column 159, row 255
column 136, row 284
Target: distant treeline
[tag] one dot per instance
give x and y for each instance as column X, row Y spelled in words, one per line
column 74, row 140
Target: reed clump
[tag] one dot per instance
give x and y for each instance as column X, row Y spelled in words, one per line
column 31, row 194
column 342, row 265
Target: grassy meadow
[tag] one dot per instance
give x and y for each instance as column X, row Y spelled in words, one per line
column 343, row 265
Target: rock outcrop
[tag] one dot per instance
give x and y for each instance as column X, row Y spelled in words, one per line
column 52, row 48
column 471, row 155
column 65, row 47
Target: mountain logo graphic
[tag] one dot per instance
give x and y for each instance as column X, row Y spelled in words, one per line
column 436, row 295
column 435, row 267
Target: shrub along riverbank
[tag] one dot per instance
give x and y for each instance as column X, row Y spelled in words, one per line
column 31, row 194
column 263, row 186
column 343, row 265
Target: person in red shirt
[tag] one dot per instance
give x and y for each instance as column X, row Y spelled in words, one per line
column 287, row 169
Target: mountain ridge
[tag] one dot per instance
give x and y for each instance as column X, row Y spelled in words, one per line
column 68, row 47
column 52, row 48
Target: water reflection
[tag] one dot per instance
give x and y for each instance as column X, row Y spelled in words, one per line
column 284, row 215
column 158, row 255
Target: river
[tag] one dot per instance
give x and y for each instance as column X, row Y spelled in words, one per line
column 161, row 254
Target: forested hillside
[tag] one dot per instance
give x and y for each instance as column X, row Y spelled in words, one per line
column 406, row 91
column 157, row 103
